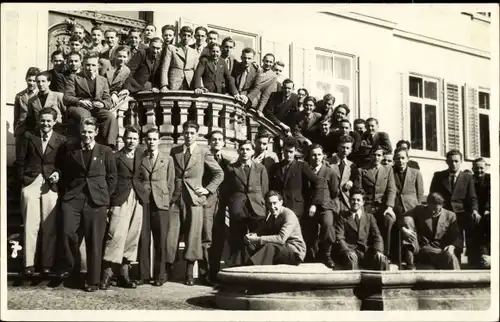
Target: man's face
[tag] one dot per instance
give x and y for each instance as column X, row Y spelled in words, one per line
column 372, row 127
column 58, row 62
column 74, row 63
column 345, row 127
column 454, row 163
column 149, row 32
column 97, row 37
column 121, row 58
column 131, row 141
column 340, row 113
column 79, row 32
column 246, row 59
column 309, row 107
column 212, row 38
column 46, row 122
column 289, row 153
column 190, row 135
column 287, row 89
column 401, row 160
column 215, row 52
column 76, row 46
column 227, row 49
column 277, row 69
column 317, row 157
column 301, row 94
column 155, row 48
column 168, row 36
column 479, row 168
column 261, row 144
column 185, row 38
column 345, row 149
column 152, row 141
column 377, row 157
column 360, row 128
column 325, row 127
column 274, row 204
column 217, row 142
column 329, row 104
column 434, row 207
column 356, row 201
column 42, row 83
column 88, row 133
column 267, row 62
column 91, row 66
column 388, row 159
column 245, row 152
column 200, row 36
column 111, row 39
column 31, row 83
column 134, row 39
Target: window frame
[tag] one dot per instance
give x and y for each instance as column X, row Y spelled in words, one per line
column 257, row 39
column 440, row 115
column 484, row 89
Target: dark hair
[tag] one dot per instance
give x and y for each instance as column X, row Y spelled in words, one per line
column 303, row 89
column 479, row 160
column 32, row 71
column 274, row 193
column 359, row 121
column 155, row 39
column 347, row 110
column 248, row 50
column 153, row 130
column 310, row 99
column 186, row 29
column 435, row 198
column 130, row 129
column 228, row 39
column 56, row 53
column 454, row 152
column 400, row 149
column 90, row 121
column 358, row 191
column 289, row 143
column 134, row 30
column 242, row 143
column 270, row 54
column 76, row 38
column 189, row 124
column 371, row 119
column 149, row 24
column 46, row 74
column 287, row 81
column 96, row 28
column 329, row 97
column 345, row 121
column 386, row 152
column 200, row 28
column 316, row 146
column 212, row 45
column 111, row 30
column 346, row 139
column 74, row 53
column 215, row 132
column 49, row 110
column 122, row 48
column 92, row 54
column 167, row 27
column 213, row 32
column 403, row 142
column 262, row 134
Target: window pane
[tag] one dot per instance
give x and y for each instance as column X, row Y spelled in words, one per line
column 484, row 100
column 341, row 95
column 416, row 126
column 323, row 88
column 324, row 66
column 415, row 86
column 484, row 135
column 343, row 68
column 430, row 90
column 431, row 141
column 241, row 41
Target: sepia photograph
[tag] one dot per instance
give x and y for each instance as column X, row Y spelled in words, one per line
column 244, row 162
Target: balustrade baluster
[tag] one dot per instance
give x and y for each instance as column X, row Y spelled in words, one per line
column 201, row 108
column 167, row 128
column 149, row 106
column 183, row 112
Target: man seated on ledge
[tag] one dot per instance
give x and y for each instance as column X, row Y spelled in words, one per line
column 431, row 233
column 278, row 240
column 358, row 237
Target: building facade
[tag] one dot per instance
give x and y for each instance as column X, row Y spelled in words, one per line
column 426, row 81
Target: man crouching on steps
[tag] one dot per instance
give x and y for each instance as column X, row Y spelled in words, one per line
column 126, row 213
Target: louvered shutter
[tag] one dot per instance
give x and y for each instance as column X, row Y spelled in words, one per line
column 471, row 122
column 453, row 125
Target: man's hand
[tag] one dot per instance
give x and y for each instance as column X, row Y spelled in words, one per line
column 200, row 191
column 124, row 92
column 476, row 217
column 308, row 142
column 97, row 104
column 352, row 256
column 389, row 212
column 164, row 89
column 54, row 177
column 259, row 113
column 284, row 126
column 155, row 90
column 379, row 256
column 450, row 249
column 486, row 213
column 199, row 91
column 114, row 98
column 409, row 234
column 85, row 104
column 312, row 210
column 251, row 238
column 243, row 99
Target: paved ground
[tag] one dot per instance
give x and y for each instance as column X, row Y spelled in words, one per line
column 171, row 296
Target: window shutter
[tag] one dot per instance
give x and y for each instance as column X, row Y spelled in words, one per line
column 471, row 122
column 281, row 51
column 405, row 115
column 304, row 66
column 452, row 116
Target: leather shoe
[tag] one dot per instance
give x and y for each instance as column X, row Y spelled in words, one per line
column 62, row 274
column 29, row 271
column 46, row 271
column 329, row 263
column 158, row 283
column 91, row 288
column 126, row 282
column 206, row 280
column 189, row 281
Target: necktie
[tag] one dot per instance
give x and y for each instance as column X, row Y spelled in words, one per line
column 215, row 65
column 341, row 167
column 356, row 219
column 243, row 79
column 187, row 156
column 246, row 168
column 453, row 180
column 45, row 137
column 87, row 147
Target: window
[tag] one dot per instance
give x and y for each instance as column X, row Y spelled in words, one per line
column 484, row 124
column 241, row 38
column 335, row 74
column 424, row 113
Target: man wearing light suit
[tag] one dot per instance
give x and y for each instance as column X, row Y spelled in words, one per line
column 21, row 104
column 190, row 161
column 117, row 73
column 179, row 64
column 268, row 82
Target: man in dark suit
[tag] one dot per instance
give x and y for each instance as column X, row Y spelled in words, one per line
column 137, row 49
column 126, row 213
column 262, row 153
column 358, row 238
column 21, row 104
column 212, row 73
column 431, row 233
column 247, row 77
column 343, row 127
column 307, row 123
column 483, row 191
column 111, row 38
column 370, row 140
column 227, row 48
column 296, row 182
column 158, row 175
column 148, row 73
column 457, row 189
column 88, row 95
column 282, row 107
column 404, row 144
column 325, row 138
column 38, row 162
column 247, row 184
column 191, row 162
column 58, row 83
column 88, row 176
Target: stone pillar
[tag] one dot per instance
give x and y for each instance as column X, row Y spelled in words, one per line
column 201, row 108
column 149, row 106
column 183, row 111
column 253, row 128
column 120, row 115
column 228, row 124
column 167, row 128
column 216, row 114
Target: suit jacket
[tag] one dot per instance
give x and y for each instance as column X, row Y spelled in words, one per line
column 146, row 76
column 351, row 173
column 447, row 232
column 54, row 100
column 231, row 62
column 128, row 178
column 483, row 191
column 379, row 188
column 159, row 179
column 380, row 139
column 350, row 237
column 283, row 230
column 280, row 110
column 21, row 111
column 99, row 176
column 222, row 192
column 202, row 51
column 305, row 128
column 189, row 177
column 108, row 53
column 178, row 67
column 268, row 85
column 336, row 135
column 267, row 159
column 32, row 161
column 409, row 193
column 213, row 79
column 243, row 189
column 460, row 199
column 299, row 186
column 331, row 188
column 413, row 164
column 58, row 82
column 251, row 88
column 116, row 83
column 325, row 140
column 136, row 57
column 77, row 88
